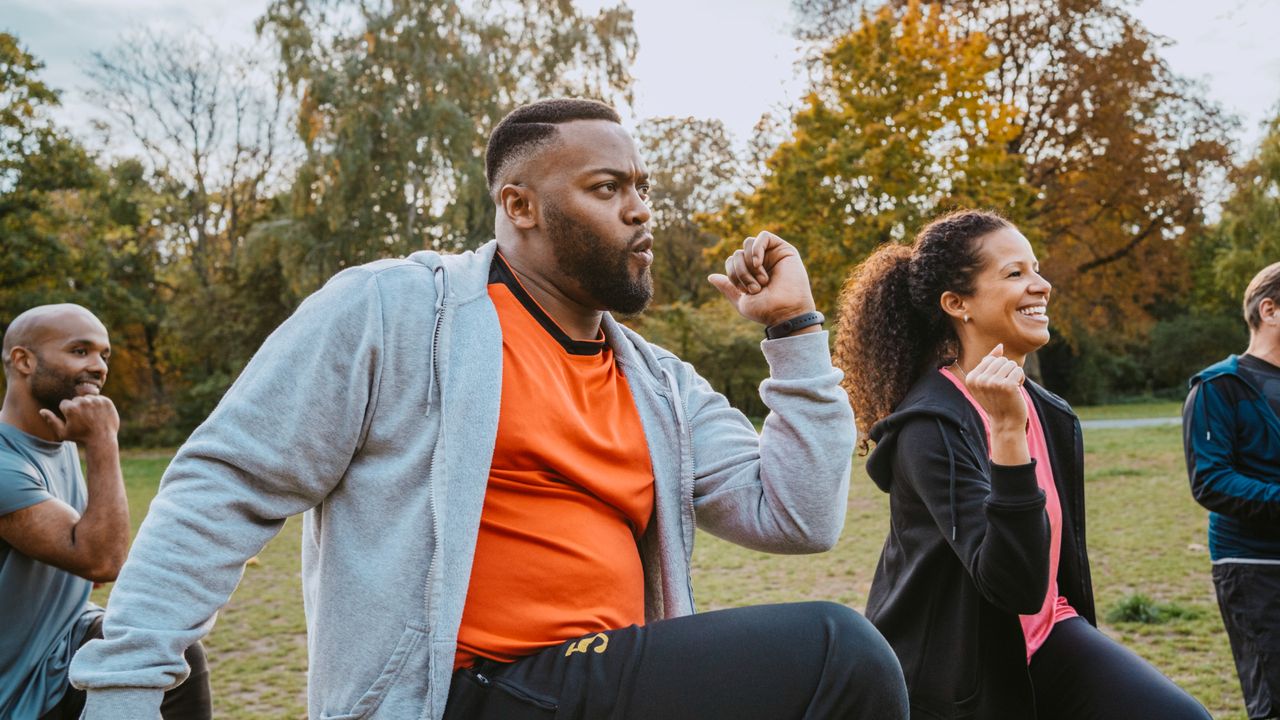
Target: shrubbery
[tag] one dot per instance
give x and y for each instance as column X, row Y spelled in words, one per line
column 1091, row 372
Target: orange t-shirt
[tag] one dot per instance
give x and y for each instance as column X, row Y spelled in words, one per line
column 570, row 492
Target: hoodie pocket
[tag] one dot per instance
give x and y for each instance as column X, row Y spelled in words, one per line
column 391, row 672
column 947, row 680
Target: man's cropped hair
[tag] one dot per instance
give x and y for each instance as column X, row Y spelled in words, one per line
column 529, row 126
column 1265, row 285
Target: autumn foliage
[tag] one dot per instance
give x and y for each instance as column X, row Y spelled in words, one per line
column 1058, row 113
column 357, row 132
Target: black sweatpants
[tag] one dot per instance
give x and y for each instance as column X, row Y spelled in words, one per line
column 188, row 701
column 1249, row 599
column 1081, row 674
column 811, row 661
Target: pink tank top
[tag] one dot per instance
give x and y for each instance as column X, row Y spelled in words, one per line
column 1054, row 609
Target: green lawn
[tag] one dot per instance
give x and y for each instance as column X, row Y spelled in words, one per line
column 1143, row 409
column 258, row 648
column 1146, row 536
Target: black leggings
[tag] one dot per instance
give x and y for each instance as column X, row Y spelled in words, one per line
column 188, row 701
column 810, row 661
column 1081, row 674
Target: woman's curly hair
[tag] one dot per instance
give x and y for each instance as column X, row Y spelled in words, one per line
column 892, row 327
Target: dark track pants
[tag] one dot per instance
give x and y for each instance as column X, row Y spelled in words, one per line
column 1249, row 599
column 801, row 661
column 1081, row 674
column 188, row 701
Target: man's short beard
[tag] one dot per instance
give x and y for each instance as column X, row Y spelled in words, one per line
column 600, row 270
column 50, row 388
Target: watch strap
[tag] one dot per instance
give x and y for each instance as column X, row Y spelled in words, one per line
column 790, row 325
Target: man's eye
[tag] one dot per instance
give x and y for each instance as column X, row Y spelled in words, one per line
column 1015, row 273
column 79, row 351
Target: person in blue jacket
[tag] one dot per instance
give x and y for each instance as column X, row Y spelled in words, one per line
column 1231, row 434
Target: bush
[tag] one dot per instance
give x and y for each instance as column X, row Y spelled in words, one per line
column 1139, row 608
column 722, row 346
column 1091, row 373
column 1096, row 370
column 1180, row 347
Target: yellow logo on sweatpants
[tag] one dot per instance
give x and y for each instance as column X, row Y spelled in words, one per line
column 583, row 645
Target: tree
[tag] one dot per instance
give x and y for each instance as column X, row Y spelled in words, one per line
column 74, row 232
column 897, row 124
column 1247, row 237
column 1117, row 151
column 693, row 171
column 397, row 98
column 209, row 124
column 39, row 168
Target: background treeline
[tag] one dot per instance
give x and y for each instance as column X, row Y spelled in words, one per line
column 225, row 184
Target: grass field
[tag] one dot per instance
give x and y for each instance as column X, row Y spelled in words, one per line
column 1146, row 536
column 1122, row 411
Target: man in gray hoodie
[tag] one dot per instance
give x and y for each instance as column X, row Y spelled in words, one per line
column 501, row 483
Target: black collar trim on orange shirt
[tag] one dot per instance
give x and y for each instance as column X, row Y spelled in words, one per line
column 500, row 272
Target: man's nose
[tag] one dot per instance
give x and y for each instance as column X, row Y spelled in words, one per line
column 637, row 212
column 97, row 365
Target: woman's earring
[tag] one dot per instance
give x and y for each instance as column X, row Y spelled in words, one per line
column 966, row 317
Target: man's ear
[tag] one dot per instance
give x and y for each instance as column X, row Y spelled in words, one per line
column 22, row 360
column 954, row 305
column 1269, row 311
column 519, row 204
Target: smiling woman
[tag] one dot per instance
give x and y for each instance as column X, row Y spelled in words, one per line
column 986, row 487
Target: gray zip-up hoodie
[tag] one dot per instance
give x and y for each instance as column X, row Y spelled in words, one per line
column 374, row 409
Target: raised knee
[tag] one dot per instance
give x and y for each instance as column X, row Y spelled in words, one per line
column 851, row 631
column 845, row 622
column 836, row 615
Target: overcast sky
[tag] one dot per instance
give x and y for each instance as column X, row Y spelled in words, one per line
column 727, row 59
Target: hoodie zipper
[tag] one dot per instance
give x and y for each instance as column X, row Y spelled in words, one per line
column 434, row 387
column 677, row 404
column 951, row 466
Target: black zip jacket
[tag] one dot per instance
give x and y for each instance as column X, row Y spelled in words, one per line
column 968, row 550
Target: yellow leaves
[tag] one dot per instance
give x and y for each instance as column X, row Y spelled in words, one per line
column 899, row 123
column 311, row 121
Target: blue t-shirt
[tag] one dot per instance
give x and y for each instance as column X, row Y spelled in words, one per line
column 44, row 611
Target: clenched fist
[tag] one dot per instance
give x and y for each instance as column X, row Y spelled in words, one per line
column 996, row 383
column 766, row 280
column 85, row 419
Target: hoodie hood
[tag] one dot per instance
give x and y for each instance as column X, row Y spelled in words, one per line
column 931, row 396
column 934, row 396
column 1228, row 366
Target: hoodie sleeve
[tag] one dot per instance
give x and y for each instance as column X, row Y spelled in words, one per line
column 276, row 445
column 1208, row 438
column 784, row 490
column 993, row 519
